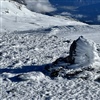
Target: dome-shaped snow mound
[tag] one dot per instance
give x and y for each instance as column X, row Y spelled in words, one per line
column 84, row 52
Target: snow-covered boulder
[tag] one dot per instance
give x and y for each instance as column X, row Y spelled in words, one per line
column 84, row 52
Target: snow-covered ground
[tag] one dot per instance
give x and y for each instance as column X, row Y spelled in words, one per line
column 21, row 66
column 29, row 41
column 15, row 17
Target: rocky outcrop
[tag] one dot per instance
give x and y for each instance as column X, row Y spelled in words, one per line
column 82, row 54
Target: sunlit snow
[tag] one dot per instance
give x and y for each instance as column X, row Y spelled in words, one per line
column 29, row 41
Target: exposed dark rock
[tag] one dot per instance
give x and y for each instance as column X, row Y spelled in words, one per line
column 54, row 73
column 73, row 74
column 72, row 52
column 81, row 53
column 88, row 69
column 60, row 60
column 84, row 78
column 68, row 41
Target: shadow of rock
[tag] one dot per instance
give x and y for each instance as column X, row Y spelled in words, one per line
column 24, row 70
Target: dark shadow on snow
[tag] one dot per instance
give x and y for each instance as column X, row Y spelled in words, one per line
column 23, row 70
column 45, row 30
column 26, row 69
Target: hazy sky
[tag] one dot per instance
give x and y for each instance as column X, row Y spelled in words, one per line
column 40, row 5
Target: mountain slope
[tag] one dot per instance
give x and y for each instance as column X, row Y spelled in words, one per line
column 14, row 15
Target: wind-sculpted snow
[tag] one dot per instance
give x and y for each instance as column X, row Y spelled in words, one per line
column 86, row 52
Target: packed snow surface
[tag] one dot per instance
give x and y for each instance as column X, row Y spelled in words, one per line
column 29, row 41
column 23, row 77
